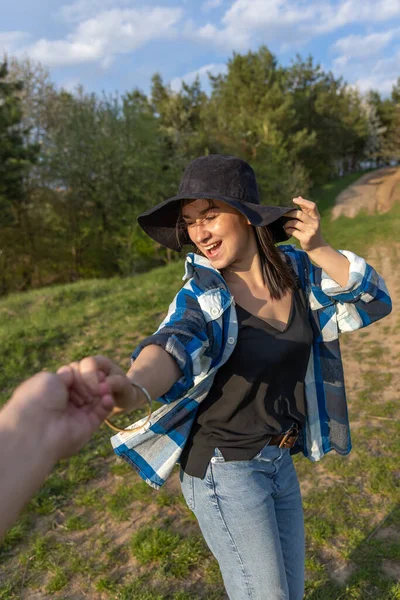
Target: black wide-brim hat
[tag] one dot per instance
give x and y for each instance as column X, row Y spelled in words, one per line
column 214, row 177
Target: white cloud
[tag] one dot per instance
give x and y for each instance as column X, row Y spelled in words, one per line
column 376, row 82
column 249, row 21
column 388, row 66
column 348, row 12
column 81, row 10
column 360, row 46
column 202, row 73
column 106, row 35
column 291, row 22
column 339, row 63
column 370, row 72
column 9, row 41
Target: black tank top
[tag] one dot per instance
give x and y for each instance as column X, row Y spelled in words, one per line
column 258, row 392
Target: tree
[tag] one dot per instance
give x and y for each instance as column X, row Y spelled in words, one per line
column 76, row 168
column 180, row 116
column 326, row 107
column 16, row 159
column 36, row 97
column 250, row 115
column 395, row 95
column 386, row 112
column 375, row 139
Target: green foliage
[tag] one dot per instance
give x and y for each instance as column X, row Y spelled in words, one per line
column 387, row 111
column 77, row 169
column 251, row 115
column 325, row 106
column 15, row 156
column 16, row 161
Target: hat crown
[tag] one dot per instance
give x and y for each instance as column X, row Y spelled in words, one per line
column 220, row 174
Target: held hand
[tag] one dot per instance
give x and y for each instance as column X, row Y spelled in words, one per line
column 43, row 402
column 91, row 371
column 305, row 225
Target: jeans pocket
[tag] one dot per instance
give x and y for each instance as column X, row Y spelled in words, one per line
column 187, row 485
column 270, row 458
column 262, row 451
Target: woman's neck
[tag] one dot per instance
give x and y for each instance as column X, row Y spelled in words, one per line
column 246, row 272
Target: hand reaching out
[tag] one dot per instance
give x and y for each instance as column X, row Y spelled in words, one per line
column 54, row 404
column 94, row 371
column 48, row 417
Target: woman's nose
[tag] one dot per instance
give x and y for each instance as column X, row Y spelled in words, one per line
column 201, row 234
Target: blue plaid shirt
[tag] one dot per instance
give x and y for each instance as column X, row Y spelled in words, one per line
column 200, row 332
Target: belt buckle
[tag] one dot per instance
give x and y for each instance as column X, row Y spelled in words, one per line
column 288, row 434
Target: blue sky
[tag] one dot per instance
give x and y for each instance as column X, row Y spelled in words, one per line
column 119, row 44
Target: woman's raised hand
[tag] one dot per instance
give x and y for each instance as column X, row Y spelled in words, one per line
column 98, row 376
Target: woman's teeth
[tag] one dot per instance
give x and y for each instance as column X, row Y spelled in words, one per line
column 213, row 248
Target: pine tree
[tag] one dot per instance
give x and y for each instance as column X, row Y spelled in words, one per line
column 375, row 139
column 16, row 158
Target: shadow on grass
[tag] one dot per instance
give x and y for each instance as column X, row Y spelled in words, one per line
column 368, row 579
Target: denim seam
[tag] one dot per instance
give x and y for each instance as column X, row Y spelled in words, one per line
column 191, row 487
column 245, row 575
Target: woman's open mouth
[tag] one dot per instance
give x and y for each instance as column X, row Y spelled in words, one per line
column 212, row 250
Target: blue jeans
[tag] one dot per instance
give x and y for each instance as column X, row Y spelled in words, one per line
column 251, row 516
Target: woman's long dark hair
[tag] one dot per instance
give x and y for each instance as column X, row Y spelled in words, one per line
column 277, row 271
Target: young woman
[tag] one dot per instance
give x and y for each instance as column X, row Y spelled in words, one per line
column 247, row 362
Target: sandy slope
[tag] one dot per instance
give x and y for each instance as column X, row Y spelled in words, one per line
column 374, row 192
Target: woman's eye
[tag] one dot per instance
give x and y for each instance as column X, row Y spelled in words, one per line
column 208, row 218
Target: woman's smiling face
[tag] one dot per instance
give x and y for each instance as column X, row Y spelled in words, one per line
column 219, row 231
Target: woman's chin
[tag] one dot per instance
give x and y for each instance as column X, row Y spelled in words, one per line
column 219, row 263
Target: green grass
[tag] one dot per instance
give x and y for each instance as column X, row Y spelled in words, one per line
column 95, row 525
column 91, row 498
column 77, row 523
column 174, row 553
column 120, row 501
column 64, row 323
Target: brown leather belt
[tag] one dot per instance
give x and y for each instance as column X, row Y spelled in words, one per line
column 285, row 440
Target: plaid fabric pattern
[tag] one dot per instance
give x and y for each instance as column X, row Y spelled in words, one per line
column 200, row 332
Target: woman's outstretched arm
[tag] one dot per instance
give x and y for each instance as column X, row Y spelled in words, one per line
column 154, row 369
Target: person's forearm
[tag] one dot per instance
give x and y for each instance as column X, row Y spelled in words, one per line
column 155, row 370
column 25, row 463
column 332, row 262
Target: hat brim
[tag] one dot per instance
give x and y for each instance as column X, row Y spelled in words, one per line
column 159, row 222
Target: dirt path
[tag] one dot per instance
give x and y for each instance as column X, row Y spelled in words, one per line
column 374, row 192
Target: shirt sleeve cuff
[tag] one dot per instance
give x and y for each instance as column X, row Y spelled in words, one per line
column 356, row 283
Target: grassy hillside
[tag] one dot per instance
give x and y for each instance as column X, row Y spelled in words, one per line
column 96, row 530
